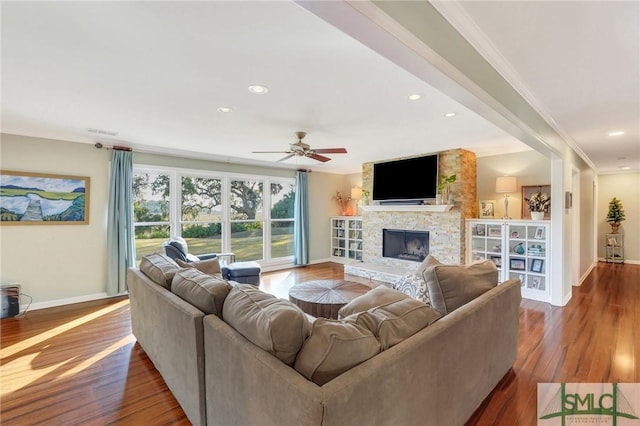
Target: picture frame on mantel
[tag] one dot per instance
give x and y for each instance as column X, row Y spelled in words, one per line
column 529, row 190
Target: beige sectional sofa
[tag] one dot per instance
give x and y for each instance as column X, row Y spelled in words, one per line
column 436, row 376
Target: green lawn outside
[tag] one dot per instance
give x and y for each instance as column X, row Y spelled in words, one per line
column 245, row 248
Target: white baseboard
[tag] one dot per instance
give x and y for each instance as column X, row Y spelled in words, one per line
column 629, row 261
column 586, row 274
column 67, row 301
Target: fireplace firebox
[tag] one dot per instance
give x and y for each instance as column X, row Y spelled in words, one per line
column 405, row 244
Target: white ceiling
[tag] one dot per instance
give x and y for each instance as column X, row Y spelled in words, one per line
column 155, row 73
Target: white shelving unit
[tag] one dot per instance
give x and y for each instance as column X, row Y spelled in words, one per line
column 346, row 238
column 614, row 248
column 519, row 248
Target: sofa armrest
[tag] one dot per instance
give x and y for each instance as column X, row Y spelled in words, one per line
column 170, row 332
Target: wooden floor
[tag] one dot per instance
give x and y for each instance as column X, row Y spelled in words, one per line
column 79, row 364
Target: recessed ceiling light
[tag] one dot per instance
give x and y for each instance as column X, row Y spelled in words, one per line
column 225, row 109
column 414, row 96
column 616, row 133
column 450, row 114
column 258, row 89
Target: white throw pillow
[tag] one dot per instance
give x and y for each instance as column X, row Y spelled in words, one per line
column 413, row 286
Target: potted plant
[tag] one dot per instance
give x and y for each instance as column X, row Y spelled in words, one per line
column 539, row 202
column 445, row 188
column 615, row 214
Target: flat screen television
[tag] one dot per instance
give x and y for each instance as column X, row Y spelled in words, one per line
column 408, row 179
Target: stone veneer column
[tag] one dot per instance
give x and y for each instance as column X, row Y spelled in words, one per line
column 460, row 162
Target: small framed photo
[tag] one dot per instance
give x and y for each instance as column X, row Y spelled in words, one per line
column 537, row 265
column 515, row 234
column 516, row 264
column 539, row 234
column 479, row 229
column 487, row 209
column 494, row 231
column 536, row 283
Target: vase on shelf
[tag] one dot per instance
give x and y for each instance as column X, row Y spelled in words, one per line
column 537, row 215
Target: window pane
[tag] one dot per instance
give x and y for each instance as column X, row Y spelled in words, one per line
column 247, row 240
column 150, row 197
column 203, row 238
column 246, row 199
column 282, row 197
column 282, row 239
column 149, row 239
column 201, row 199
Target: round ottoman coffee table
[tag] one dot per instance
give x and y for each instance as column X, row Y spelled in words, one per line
column 324, row 298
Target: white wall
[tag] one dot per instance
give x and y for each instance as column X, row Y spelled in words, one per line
column 626, row 188
column 57, row 262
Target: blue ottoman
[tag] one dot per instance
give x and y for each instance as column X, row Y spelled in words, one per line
column 242, row 272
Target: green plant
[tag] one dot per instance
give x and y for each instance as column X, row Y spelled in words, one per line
column 616, row 211
column 445, row 181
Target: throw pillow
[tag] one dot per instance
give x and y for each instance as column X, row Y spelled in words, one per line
column 209, row 266
column 275, row 325
column 451, row 286
column 203, row 291
column 380, row 295
column 394, row 322
column 159, row 268
column 430, row 260
column 413, row 286
column 334, row 347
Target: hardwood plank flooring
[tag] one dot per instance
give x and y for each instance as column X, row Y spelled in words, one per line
column 80, row 365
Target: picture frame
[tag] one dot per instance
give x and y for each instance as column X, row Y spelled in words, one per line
column 537, row 265
column 480, row 229
column 539, row 234
column 536, row 283
column 515, row 234
column 516, row 264
column 43, row 199
column 487, row 209
column 527, row 191
column 494, row 231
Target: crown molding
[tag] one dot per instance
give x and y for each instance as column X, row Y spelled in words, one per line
column 455, row 14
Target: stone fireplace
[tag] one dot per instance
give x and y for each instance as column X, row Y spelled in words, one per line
column 405, row 244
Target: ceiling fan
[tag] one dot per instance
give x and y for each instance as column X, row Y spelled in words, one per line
column 301, row 149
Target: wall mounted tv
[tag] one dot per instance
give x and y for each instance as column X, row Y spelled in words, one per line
column 408, row 179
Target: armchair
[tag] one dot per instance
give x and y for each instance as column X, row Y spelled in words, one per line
column 177, row 248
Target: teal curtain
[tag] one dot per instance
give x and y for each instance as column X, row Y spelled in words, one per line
column 301, row 219
column 121, row 250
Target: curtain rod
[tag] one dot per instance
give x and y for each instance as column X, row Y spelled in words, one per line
column 99, row 145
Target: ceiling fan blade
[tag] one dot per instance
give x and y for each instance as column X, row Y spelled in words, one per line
column 331, row 151
column 318, row 157
column 285, row 158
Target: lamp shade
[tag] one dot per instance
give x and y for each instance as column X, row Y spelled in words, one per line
column 506, row 184
column 356, row 193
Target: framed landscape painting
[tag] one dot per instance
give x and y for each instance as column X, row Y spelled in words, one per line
column 43, row 199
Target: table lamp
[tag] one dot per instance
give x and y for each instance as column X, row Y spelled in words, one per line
column 356, row 194
column 506, row 185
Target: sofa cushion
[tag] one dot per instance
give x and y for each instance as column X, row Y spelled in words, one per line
column 275, row 325
column 209, row 266
column 159, row 268
column 413, row 286
column 396, row 321
column 451, row 286
column 203, row 291
column 334, row 347
column 380, row 295
column 430, row 260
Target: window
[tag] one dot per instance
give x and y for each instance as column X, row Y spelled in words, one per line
column 201, row 214
column 282, row 198
column 251, row 216
column 151, row 208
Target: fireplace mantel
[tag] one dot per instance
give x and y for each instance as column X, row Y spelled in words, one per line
column 408, row 208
